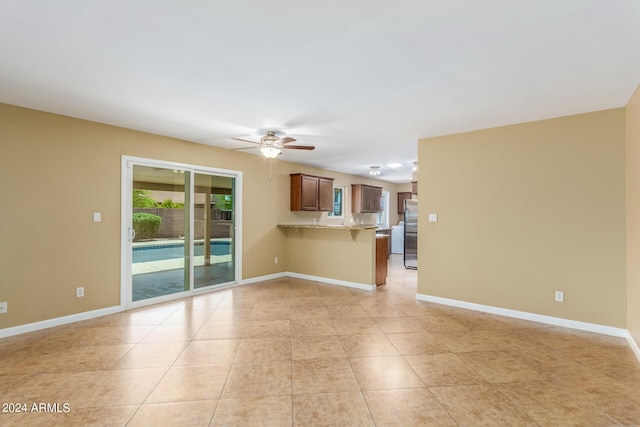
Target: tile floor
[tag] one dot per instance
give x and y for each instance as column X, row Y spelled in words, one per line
column 291, row 352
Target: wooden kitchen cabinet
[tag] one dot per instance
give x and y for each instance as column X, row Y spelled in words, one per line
column 325, row 194
column 382, row 243
column 414, row 187
column 311, row 193
column 402, row 196
column 366, row 198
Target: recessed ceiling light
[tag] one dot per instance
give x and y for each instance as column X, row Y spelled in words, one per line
column 394, row 165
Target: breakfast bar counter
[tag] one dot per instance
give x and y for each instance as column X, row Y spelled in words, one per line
column 353, row 229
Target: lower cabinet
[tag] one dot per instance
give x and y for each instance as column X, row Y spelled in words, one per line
column 402, row 196
column 382, row 243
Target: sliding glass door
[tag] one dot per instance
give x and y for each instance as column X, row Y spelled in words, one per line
column 180, row 228
column 160, row 228
column 213, row 230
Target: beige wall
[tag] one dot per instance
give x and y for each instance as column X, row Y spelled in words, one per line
column 633, row 215
column 525, row 210
column 57, row 170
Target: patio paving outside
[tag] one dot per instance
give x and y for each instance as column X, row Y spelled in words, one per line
column 163, row 277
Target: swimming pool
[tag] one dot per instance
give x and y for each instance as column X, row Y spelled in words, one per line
column 160, row 252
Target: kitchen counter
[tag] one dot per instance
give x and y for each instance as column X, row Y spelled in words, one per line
column 328, row 226
column 353, row 229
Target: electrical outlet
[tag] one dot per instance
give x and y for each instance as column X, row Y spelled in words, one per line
column 275, row 260
column 559, row 296
column 80, row 292
column 4, row 307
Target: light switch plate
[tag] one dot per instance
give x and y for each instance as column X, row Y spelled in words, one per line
column 3, row 307
column 97, row 217
column 433, row 217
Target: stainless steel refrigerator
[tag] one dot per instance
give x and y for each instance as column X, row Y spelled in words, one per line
column 411, row 234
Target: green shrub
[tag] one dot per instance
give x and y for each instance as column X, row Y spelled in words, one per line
column 223, row 201
column 146, row 225
column 143, row 199
column 170, row 204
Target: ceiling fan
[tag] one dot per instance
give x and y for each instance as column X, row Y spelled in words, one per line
column 272, row 145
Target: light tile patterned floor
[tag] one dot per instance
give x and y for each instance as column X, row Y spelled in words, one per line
column 291, row 352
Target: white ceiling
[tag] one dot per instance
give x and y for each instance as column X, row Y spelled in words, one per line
column 360, row 80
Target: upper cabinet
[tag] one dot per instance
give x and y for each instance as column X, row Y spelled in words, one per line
column 366, row 198
column 325, row 194
column 311, row 193
column 414, row 187
column 402, row 196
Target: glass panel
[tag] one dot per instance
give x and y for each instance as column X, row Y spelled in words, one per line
column 160, row 249
column 338, row 202
column 382, row 218
column 214, row 230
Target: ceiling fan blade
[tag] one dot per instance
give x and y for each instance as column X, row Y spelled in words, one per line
column 246, row 140
column 286, row 140
column 244, row 148
column 300, row 147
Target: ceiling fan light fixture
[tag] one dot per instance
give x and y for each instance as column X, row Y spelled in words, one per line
column 272, row 145
column 270, row 138
column 415, row 166
column 271, row 152
column 374, row 170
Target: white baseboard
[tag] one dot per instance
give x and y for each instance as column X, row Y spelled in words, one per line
column 329, row 281
column 633, row 344
column 262, row 278
column 309, row 277
column 556, row 321
column 58, row 321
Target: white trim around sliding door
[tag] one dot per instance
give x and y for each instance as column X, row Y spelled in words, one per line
column 125, row 223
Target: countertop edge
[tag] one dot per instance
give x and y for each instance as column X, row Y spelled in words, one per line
column 329, row 227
